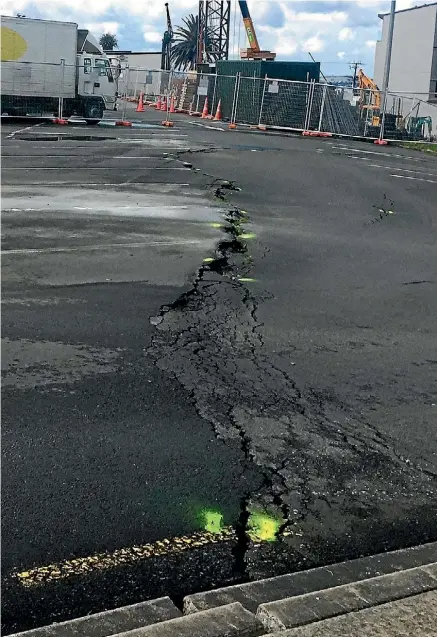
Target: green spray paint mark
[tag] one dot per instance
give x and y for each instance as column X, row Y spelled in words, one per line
column 248, row 235
column 213, row 521
column 245, row 279
column 263, row 528
column 216, row 225
column 208, row 260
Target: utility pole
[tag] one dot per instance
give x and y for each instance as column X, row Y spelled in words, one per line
column 386, row 76
column 354, row 66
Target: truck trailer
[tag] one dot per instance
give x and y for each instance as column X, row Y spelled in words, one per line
column 53, row 68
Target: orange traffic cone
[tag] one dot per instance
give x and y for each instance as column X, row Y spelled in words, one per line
column 164, row 104
column 205, row 109
column 158, row 103
column 172, row 108
column 218, row 113
column 140, row 107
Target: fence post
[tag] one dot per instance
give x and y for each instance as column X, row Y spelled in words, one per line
column 309, row 105
column 61, row 97
column 213, row 94
column 169, row 90
column 262, row 100
column 123, row 114
column 322, row 106
column 235, row 98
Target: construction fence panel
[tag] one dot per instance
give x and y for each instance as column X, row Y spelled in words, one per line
column 248, row 100
column 36, row 89
column 285, row 104
column 226, row 94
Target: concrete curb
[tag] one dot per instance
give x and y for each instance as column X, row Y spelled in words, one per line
column 253, row 594
column 278, row 603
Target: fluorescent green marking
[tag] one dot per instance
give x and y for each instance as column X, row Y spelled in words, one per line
column 245, row 279
column 390, row 212
column 243, row 212
column 248, row 235
column 213, row 521
column 263, row 528
column 216, row 225
column 208, row 260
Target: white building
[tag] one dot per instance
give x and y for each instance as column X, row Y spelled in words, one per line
column 413, row 70
column 136, row 71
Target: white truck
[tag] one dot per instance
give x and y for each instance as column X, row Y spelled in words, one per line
column 53, row 68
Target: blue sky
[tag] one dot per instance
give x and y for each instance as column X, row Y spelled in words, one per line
column 336, row 32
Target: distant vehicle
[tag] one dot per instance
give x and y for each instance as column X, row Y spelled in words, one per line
column 46, row 64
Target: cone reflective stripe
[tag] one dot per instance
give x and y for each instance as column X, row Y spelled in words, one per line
column 158, row 103
column 172, row 108
column 140, row 107
column 164, row 104
column 218, row 113
column 205, row 109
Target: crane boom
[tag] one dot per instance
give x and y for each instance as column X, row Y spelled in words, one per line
column 166, row 42
column 254, row 52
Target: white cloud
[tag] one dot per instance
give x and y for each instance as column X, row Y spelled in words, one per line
column 152, row 36
column 346, row 34
column 341, row 54
column 371, row 44
column 97, row 28
column 313, row 44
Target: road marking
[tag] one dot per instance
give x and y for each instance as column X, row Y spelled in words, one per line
column 429, row 181
column 404, row 170
column 98, row 247
column 88, row 168
column 21, row 130
column 263, row 530
column 103, row 561
column 374, row 152
column 207, row 126
column 83, row 184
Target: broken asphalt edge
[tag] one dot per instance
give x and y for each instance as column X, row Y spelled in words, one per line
column 255, row 608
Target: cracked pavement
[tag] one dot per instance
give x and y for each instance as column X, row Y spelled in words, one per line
column 254, row 333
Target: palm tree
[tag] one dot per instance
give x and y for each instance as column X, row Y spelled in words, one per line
column 108, row 42
column 184, row 50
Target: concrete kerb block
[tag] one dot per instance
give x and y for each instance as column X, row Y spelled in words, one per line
column 320, row 605
column 252, row 594
column 110, row 622
column 227, row 621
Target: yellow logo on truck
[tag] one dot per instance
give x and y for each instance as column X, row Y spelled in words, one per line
column 13, row 45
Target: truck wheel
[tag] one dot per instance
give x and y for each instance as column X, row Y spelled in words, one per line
column 93, row 111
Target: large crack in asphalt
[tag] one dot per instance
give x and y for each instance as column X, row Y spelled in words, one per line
column 325, row 469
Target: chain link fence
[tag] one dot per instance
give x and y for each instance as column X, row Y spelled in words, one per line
column 308, row 107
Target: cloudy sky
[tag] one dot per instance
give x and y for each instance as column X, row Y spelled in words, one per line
column 336, row 32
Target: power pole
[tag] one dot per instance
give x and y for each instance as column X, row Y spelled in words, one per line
column 354, row 66
column 386, row 76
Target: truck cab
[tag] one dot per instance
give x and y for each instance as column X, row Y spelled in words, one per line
column 95, row 77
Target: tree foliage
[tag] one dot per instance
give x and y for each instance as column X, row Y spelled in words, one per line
column 108, row 42
column 184, row 49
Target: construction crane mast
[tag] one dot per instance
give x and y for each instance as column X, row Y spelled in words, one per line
column 166, row 43
column 254, row 52
column 213, row 35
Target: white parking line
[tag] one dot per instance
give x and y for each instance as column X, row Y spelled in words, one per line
column 21, row 130
column 374, row 152
column 404, row 170
column 88, row 168
column 430, row 181
column 99, row 247
column 207, row 126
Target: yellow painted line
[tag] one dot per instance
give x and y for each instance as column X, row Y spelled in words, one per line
column 104, row 561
